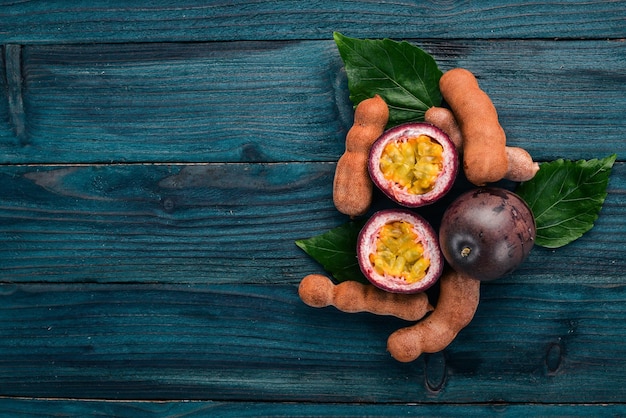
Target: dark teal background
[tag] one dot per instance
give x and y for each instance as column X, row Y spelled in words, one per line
column 159, row 159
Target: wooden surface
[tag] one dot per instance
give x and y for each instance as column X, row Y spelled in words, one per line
column 158, row 162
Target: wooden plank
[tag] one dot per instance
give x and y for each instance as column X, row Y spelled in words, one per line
column 284, row 101
column 13, row 85
column 27, row 408
column 61, row 22
column 7, row 133
column 161, row 223
column 259, row 343
column 222, row 223
column 171, row 275
column 250, row 101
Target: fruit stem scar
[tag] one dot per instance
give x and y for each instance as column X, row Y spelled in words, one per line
column 465, row 252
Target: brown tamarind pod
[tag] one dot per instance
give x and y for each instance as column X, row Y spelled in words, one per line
column 521, row 166
column 484, row 140
column 444, row 119
column 458, row 300
column 352, row 185
column 319, row 291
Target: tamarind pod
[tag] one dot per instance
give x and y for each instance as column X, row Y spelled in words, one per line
column 484, row 140
column 456, row 306
column 521, row 165
column 370, row 112
column 444, row 119
column 352, row 185
column 319, row 291
column 353, row 189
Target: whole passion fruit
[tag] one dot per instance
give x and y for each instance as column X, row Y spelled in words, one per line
column 414, row 164
column 487, row 233
column 397, row 251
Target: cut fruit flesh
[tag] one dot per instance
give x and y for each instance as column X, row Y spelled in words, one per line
column 399, row 252
column 413, row 163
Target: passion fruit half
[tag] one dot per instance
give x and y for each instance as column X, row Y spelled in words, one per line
column 414, row 164
column 398, row 251
column 486, row 233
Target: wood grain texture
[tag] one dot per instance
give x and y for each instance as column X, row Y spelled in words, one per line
column 70, row 409
column 222, row 223
column 179, row 102
column 219, row 222
column 99, row 21
column 157, row 162
column 261, row 343
column 285, row 101
column 29, row 408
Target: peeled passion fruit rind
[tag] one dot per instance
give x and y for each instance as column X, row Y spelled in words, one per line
column 486, row 233
column 414, row 164
column 398, row 251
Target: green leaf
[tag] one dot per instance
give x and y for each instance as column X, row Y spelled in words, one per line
column 566, row 198
column 335, row 250
column 406, row 77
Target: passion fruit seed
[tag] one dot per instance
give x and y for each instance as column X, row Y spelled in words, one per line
column 413, row 163
column 399, row 252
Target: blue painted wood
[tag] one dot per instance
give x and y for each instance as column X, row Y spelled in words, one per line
column 284, row 101
column 157, row 162
column 27, row 408
column 58, row 21
column 179, row 102
column 246, row 342
column 221, row 223
column 194, row 223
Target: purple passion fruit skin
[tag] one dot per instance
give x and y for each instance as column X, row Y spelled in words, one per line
column 398, row 252
column 414, row 164
column 487, row 233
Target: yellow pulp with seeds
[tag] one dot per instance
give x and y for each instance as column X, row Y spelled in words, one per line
column 413, row 163
column 399, row 253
